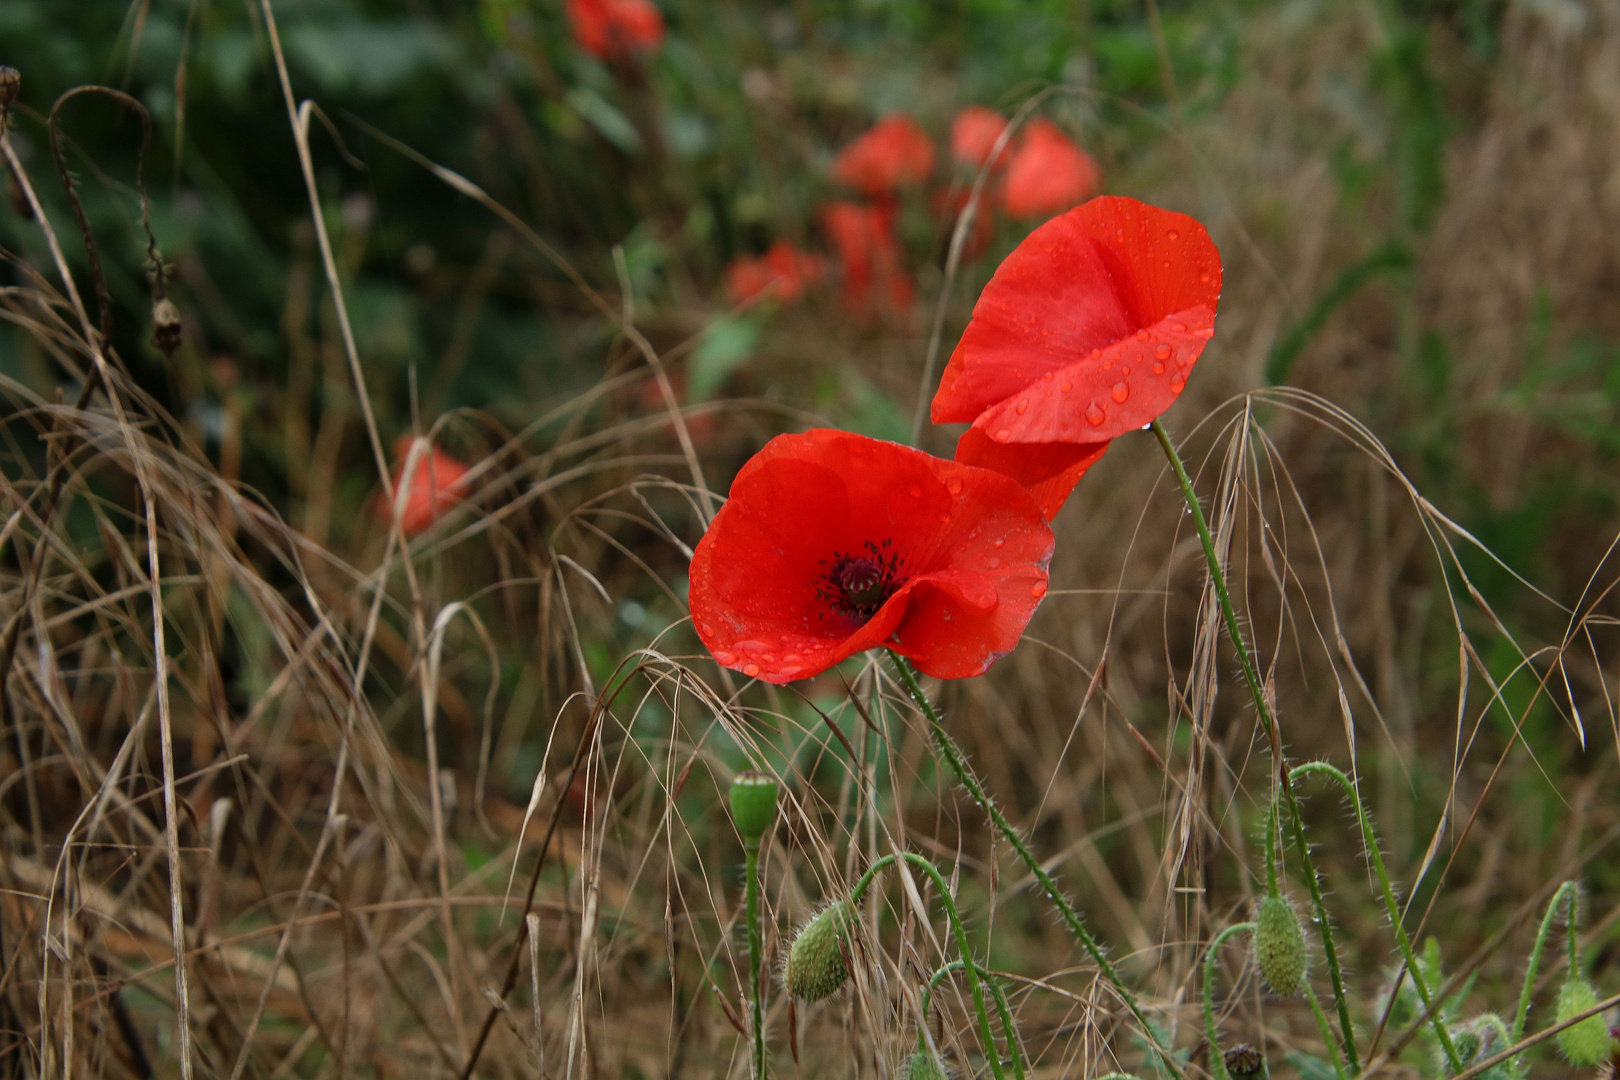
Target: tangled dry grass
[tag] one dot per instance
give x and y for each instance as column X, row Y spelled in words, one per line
column 284, row 794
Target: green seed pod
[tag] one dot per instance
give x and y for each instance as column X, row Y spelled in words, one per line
column 753, row 805
column 1587, row 1043
column 924, row 1066
column 1244, row 1061
column 1279, row 946
column 815, row 963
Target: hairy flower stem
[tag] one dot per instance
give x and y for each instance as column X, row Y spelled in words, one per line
column 952, row 756
column 957, row 931
column 1217, row 1062
column 1002, row 1008
column 755, row 944
column 1566, row 894
column 1251, row 676
column 1391, row 908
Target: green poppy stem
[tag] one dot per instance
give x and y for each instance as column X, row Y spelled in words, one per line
column 1217, row 1063
column 755, row 944
column 1268, row 722
column 957, row 763
column 1565, row 894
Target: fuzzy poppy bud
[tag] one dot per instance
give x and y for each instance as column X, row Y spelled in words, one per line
column 922, row 1065
column 1244, row 1060
column 166, row 326
column 753, row 805
column 1279, row 946
column 815, row 963
column 1587, row 1043
column 10, row 82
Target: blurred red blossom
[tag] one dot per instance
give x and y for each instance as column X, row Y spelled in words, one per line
column 785, row 271
column 894, row 153
column 616, row 29
column 874, row 276
column 948, row 203
column 974, row 133
column 437, row 483
column 1088, row 330
column 832, row 543
column 1048, row 173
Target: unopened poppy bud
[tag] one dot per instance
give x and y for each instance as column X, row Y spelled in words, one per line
column 1279, row 946
column 753, row 805
column 1244, row 1060
column 1587, row 1043
column 166, row 326
column 922, row 1065
column 815, row 963
column 10, row 82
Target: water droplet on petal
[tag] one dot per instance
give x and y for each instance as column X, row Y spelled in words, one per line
column 1174, row 235
column 1167, row 264
column 792, row 658
column 1023, row 407
column 944, row 518
column 789, row 669
column 754, row 646
column 1158, row 368
column 724, row 658
column 1001, row 543
column 1121, row 392
column 995, row 561
column 751, row 670
column 1048, row 376
column 1067, row 386
column 1177, row 383
column 1095, row 415
column 916, row 491
column 1038, row 589
column 954, row 485
column 1162, row 352
column 1204, row 277
column 1003, row 435
column 1178, row 328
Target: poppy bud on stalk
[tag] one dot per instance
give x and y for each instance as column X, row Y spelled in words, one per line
column 922, row 1065
column 815, row 963
column 1587, row 1043
column 1279, row 946
column 753, row 805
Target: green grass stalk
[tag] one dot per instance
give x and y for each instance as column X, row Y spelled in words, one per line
column 1217, row 1063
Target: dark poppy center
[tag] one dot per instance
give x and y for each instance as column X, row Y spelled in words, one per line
column 857, row 584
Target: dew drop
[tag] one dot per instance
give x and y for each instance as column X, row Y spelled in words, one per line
column 1177, row 383
column 789, row 669
column 916, row 491
column 954, row 485
column 1178, row 328
column 1174, row 235
column 1003, row 435
column 1162, row 352
column 792, row 658
column 1067, row 386
column 1048, row 376
column 751, row 670
column 1167, row 264
column 1121, row 392
column 1023, row 407
column 1001, row 543
column 1095, row 415
column 944, row 519
column 753, row 645
column 995, row 561
column 1038, row 589
column 1158, row 368
column 724, row 658
column 1204, row 277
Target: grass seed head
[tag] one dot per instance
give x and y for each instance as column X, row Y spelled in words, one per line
column 815, row 965
column 1279, row 946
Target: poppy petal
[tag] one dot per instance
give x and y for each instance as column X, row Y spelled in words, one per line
column 1048, row 471
column 1097, row 298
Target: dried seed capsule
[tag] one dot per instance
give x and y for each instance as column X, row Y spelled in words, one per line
column 815, row 965
column 1244, row 1060
column 1587, row 1043
column 10, row 82
column 1279, row 946
column 753, row 805
column 167, row 328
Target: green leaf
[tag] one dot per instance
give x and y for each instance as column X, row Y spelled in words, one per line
column 608, row 121
column 1310, row 1067
column 725, row 348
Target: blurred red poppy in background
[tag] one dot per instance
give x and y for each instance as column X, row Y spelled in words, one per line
column 974, row 133
column 616, row 29
column 786, row 272
column 895, row 152
column 1088, row 330
column 949, row 203
column 833, row 543
column 874, row 276
column 437, row 484
column 1048, row 173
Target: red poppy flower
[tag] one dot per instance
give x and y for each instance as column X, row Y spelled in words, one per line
column 893, row 153
column 874, row 275
column 1088, row 330
column 833, row 543
column 1048, row 173
column 974, row 133
column 615, row 29
column 438, row 483
column 784, row 270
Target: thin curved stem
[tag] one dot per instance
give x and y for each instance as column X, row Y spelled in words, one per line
column 1217, row 1063
column 1566, row 893
column 1419, row 983
column 1002, row 1009
column 1251, row 676
column 952, row 756
column 755, row 944
column 957, row 930
column 1325, row 1027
